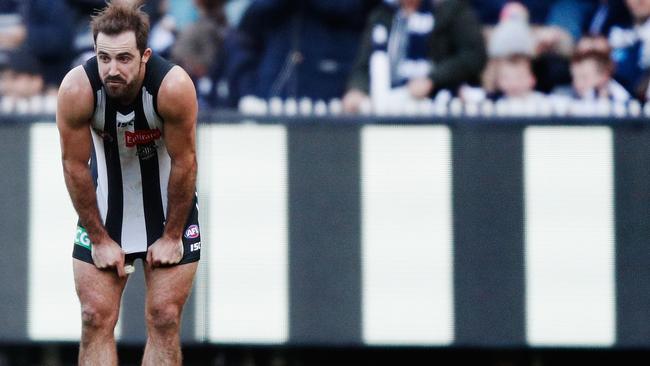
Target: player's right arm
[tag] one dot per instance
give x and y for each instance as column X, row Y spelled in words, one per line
column 74, row 112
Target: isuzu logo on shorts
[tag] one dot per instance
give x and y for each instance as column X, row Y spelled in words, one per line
column 192, row 232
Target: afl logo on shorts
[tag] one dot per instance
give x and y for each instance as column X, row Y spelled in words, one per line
column 192, row 232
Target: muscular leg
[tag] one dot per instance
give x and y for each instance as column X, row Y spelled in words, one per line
column 99, row 293
column 167, row 291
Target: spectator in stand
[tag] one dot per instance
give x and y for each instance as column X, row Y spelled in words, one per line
column 513, row 34
column 22, row 78
column 200, row 45
column 430, row 46
column 549, row 48
column 631, row 50
column 553, row 28
column 575, row 17
column 82, row 42
column 592, row 69
column 555, row 25
column 162, row 36
column 512, row 47
column 296, row 48
column 12, row 28
column 606, row 14
column 50, row 30
column 516, row 81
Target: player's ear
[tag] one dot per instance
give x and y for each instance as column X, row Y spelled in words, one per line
column 145, row 55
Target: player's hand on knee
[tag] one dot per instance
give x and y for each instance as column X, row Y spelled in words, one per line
column 107, row 255
column 165, row 251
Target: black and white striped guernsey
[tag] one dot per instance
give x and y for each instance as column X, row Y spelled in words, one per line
column 130, row 163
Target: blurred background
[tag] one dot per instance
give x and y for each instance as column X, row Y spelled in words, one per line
column 381, row 182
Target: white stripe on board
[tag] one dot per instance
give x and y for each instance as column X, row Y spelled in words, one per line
column 53, row 311
column 407, row 235
column 569, row 236
column 243, row 175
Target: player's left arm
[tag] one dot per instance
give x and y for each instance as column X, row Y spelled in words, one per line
column 178, row 107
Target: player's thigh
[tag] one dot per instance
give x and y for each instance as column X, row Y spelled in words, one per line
column 169, row 286
column 99, row 291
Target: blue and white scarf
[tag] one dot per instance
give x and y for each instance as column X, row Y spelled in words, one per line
column 631, row 53
column 407, row 44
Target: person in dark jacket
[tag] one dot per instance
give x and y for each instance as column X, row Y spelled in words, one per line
column 297, row 48
column 50, row 30
column 454, row 48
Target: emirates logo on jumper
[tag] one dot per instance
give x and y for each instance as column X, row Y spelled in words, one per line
column 141, row 137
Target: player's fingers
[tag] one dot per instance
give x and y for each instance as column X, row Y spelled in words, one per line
column 149, row 258
column 100, row 263
column 120, row 267
column 120, row 270
column 179, row 254
column 155, row 260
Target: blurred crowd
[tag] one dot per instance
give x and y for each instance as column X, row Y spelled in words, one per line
column 368, row 54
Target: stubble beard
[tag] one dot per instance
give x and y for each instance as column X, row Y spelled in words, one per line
column 123, row 91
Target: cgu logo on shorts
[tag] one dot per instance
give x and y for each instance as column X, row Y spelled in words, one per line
column 141, row 137
column 81, row 238
column 192, row 232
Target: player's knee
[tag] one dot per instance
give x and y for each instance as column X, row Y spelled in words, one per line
column 98, row 317
column 164, row 317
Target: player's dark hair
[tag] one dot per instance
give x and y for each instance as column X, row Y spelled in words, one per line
column 122, row 16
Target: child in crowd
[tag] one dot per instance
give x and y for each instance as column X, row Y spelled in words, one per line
column 515, row 79
column 592, row 69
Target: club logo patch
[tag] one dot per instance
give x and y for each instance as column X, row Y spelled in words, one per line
column 192, row 232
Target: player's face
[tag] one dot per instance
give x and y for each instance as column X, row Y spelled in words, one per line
column 120, row 64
